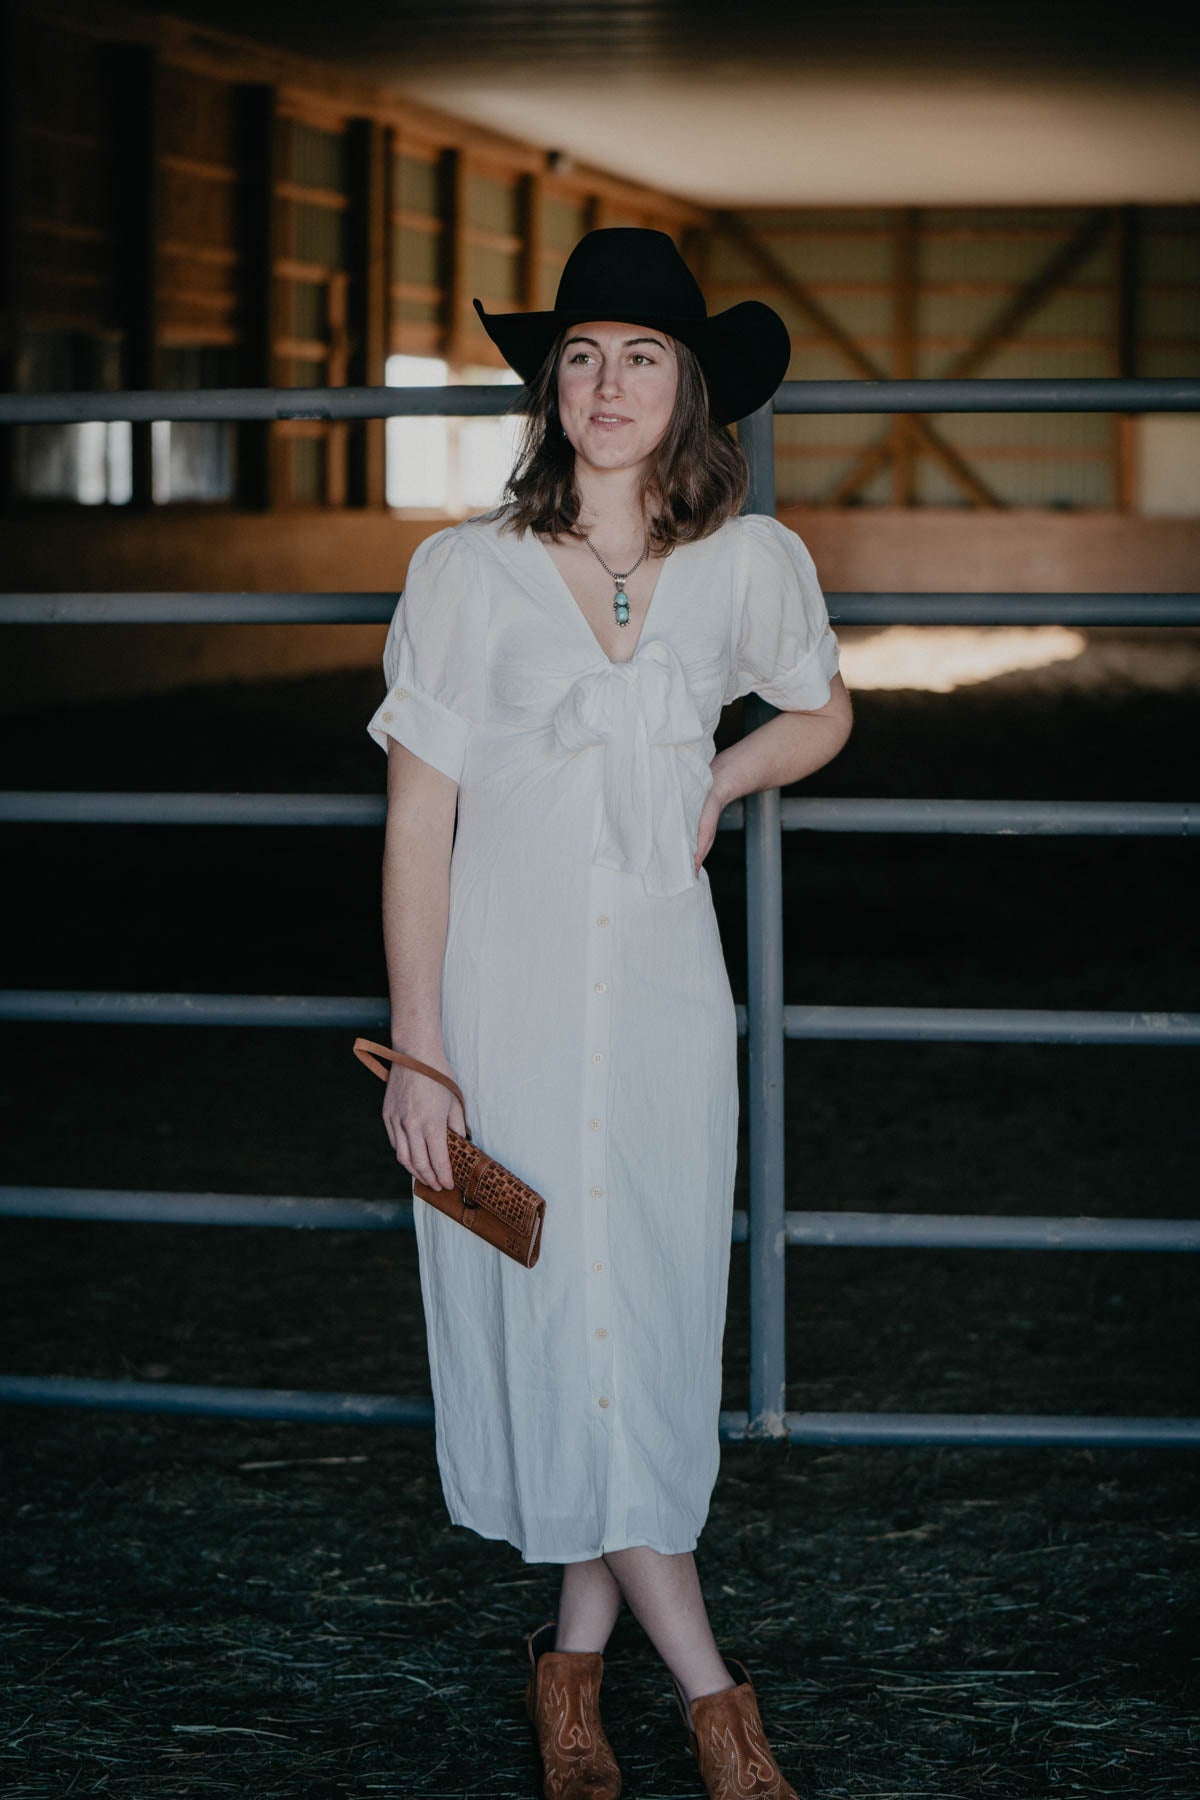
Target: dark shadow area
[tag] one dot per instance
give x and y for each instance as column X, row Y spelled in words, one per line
column 197, row 1606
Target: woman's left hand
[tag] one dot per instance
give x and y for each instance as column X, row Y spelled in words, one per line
column 706, row 831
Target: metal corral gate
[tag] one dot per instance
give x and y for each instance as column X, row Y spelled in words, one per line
column 765, row 1019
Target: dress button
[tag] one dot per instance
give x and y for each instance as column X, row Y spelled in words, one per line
column 597, row 1056
column 387, row 716
column 603, row 919
column 402, row 693
column 595, row 1192
column 603, row 1401
column 600, row 985
column 595, row 1124
column 600, row 1331
column 597, row 1267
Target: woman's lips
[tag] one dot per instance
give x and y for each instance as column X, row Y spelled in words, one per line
column 609, row 424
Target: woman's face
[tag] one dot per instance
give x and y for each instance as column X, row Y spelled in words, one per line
column 609, row 370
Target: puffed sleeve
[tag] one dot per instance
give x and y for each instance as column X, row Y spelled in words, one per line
column 785, row 650
column 434, row 656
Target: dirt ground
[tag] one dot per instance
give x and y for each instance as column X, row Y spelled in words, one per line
column 211, row 1607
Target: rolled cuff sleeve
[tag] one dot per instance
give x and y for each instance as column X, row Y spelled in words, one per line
column 786, row 649
column 434, row 657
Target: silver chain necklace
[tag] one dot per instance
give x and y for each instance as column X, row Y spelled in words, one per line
column 620, row 598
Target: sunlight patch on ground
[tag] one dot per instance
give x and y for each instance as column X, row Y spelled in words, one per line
column 940, row 658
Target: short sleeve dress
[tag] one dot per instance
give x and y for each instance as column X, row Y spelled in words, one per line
column 587, row 1015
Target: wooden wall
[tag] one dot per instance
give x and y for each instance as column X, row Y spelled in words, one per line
column 182, row 212
column 1056, row 293
column 184, row 209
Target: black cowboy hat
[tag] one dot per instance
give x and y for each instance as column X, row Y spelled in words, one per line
column 631, row 273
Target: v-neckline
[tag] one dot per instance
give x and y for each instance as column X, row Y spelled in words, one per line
column 614, row 662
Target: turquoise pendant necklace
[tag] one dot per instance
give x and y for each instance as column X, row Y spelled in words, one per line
column 620, row 598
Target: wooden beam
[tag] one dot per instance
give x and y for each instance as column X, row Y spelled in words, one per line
column 317, row 88
column 13, row 176
column 136, row 196
column 904, row 325
column 1127, row 230
column 336, row 433
column 877, row 453
column 368, row 164
column 1032, row 295
column 531, row 201
column 864, row 468
column 255, row 138
column 780, row 276
column 1008, row 321
column 919, row 427
column 452, row 205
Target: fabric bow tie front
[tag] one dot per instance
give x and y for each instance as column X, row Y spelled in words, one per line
column 655, row 775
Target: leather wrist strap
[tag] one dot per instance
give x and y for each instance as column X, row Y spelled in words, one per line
column 370, row 1053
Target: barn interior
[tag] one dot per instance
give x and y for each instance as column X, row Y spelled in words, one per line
column 246, row 193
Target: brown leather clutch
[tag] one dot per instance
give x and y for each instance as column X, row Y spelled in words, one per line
column 486, row 1197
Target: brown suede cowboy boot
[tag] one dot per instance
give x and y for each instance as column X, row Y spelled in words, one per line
column 729, row 1743
column 562, row 1699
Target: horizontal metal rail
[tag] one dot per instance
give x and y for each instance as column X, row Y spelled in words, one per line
column 960, row 1024
column 469, row 400
column 732, row 1426
column 1014, row 609
column 1015, row 1430
column 985, row 1231
column 164, row 1206
column 332, row 608
column 976, row 395
column 225, row 1402
column 123, row 807
column 1001, row 818
column 988, row 1025
column 914, row 1024
column 867, row 1230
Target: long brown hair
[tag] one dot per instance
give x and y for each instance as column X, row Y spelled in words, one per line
column 696, row 478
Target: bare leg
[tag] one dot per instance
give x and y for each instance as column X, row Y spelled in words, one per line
column 588, row 1605
column 664, row 1595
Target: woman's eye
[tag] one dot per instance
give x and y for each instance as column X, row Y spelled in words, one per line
column 638, row 356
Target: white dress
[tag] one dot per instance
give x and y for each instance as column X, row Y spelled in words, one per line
column 587, row 1015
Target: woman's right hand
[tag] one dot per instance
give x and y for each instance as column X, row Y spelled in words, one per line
column 416, row 1113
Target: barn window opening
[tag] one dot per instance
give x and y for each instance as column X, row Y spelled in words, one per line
column 447, row 465
column 89, row 462
column 194, row 459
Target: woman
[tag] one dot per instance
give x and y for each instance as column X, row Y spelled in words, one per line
column 556, row 670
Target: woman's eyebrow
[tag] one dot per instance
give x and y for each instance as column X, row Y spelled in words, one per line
column 628, row 341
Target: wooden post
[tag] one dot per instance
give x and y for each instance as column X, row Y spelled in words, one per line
column 136, row 202
column 368, row 232
column 452, row 275
column 337, row 310
column 904, row 307
column 533, row 240
column 1127, row 228
column 876, row 454
column 256, row 140
column 12, row 310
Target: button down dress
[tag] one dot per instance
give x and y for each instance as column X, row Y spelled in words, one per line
column 587, row 1015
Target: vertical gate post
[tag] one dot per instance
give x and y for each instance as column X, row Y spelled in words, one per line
column 764, row 1026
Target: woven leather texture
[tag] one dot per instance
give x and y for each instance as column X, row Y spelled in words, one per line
column 495, row 1186
column 486, row 1197
column 489, row 1200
